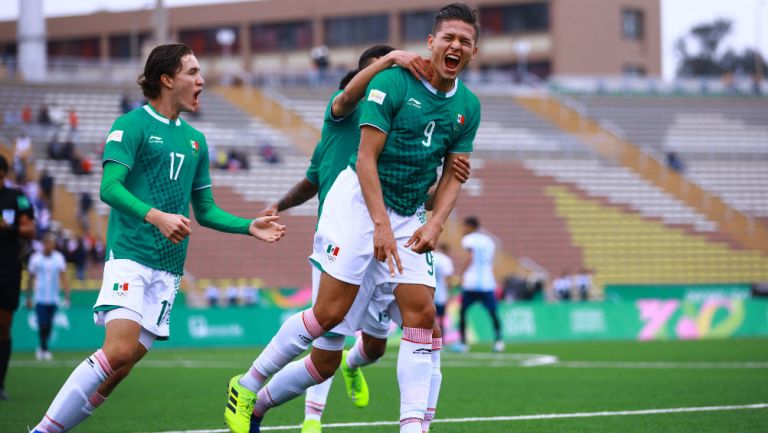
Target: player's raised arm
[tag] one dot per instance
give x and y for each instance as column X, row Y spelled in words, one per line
column 346, row 101
column 384, row 247
column 210, row 215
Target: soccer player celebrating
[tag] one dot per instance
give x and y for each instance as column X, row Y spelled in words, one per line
column 154, row 165
column 408, row 128
column 338, row 142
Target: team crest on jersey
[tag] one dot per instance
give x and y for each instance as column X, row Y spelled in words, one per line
column 120, row 289
column 332, row 251
column 195, row 146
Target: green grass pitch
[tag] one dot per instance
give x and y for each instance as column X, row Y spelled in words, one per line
column 180, row 390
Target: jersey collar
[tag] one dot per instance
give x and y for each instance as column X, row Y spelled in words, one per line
column 439, row 93
column 148, row 108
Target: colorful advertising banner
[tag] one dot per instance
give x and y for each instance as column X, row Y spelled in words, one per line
column 641, row 319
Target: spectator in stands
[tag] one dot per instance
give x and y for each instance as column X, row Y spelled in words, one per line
column 21, row 155
column 11, row 117
column 77, row 254
column 84, row 210
column 584, row 283
column 26, row 114
column 563, row 285
column 43, row 116
column 212, row 295
column 125, row 104
column 248, row 293
column 268, row 153
column 674, row 162
column 233, row 294
column 46, row 189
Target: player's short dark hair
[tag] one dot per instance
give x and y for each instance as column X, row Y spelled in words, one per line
column 347, row 78
column 457, row 11
column 3, row 164
column 163, row 60
column 371, row 53
column 374, row 52
column 472, row 221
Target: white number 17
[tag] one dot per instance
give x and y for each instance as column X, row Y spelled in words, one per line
column 180, row 156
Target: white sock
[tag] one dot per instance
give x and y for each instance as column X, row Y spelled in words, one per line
column 434, row 386
column 293, row 338
column 414, row 373
column 287, row 384
column 357, row 357
column 314, row 402
column 77, row 398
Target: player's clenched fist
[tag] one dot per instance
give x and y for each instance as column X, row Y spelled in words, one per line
column 267, row 229
column 174, row 227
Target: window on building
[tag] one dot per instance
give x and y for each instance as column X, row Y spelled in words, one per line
column 360, row 30
column 203, row 41
column 126, row 46
column 634, row 70
column 511, row 19
column 281, row 36
column 632, row 24
column 81, row 47
column 415, row 26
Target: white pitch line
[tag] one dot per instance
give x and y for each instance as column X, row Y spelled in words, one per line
column 512, row 418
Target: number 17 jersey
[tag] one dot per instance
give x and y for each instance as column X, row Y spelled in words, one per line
column 167, row 161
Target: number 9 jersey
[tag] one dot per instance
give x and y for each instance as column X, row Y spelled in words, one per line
column 422, row 125
column 167, row 161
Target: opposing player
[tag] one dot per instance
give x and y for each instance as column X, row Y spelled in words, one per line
column 47, row 275
column 339, row 140
column 155, row 163
column 408, row 128
column 478, row 282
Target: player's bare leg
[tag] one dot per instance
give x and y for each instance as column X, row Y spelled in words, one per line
column 79, row 396
column 414, row 360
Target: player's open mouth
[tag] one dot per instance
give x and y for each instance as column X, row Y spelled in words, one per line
column 452, row 61
column 197, row 96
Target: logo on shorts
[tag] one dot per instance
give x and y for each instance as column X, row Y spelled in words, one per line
column 332, row 251
column 120, row 289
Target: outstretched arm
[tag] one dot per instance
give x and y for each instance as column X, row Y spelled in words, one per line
column 210, row 215
column 346, row 101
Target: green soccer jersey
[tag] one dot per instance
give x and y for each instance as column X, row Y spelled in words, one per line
column 338, row 141
column 422, row 125
column 167, row 161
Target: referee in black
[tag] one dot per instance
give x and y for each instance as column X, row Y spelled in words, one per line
column 17, row 222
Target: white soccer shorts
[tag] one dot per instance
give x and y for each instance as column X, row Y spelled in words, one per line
column 343, row 245
column 149, row 292
column 373, row 310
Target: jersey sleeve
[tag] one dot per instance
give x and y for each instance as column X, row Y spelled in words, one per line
column 62, row 264
column 383, row 98
column 123, row 142
column 202, row 171
column 471, row 119
column 466, row 243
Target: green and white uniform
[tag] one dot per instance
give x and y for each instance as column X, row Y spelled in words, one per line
column 167, row 160
column 339, row 140
column 422, row 125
